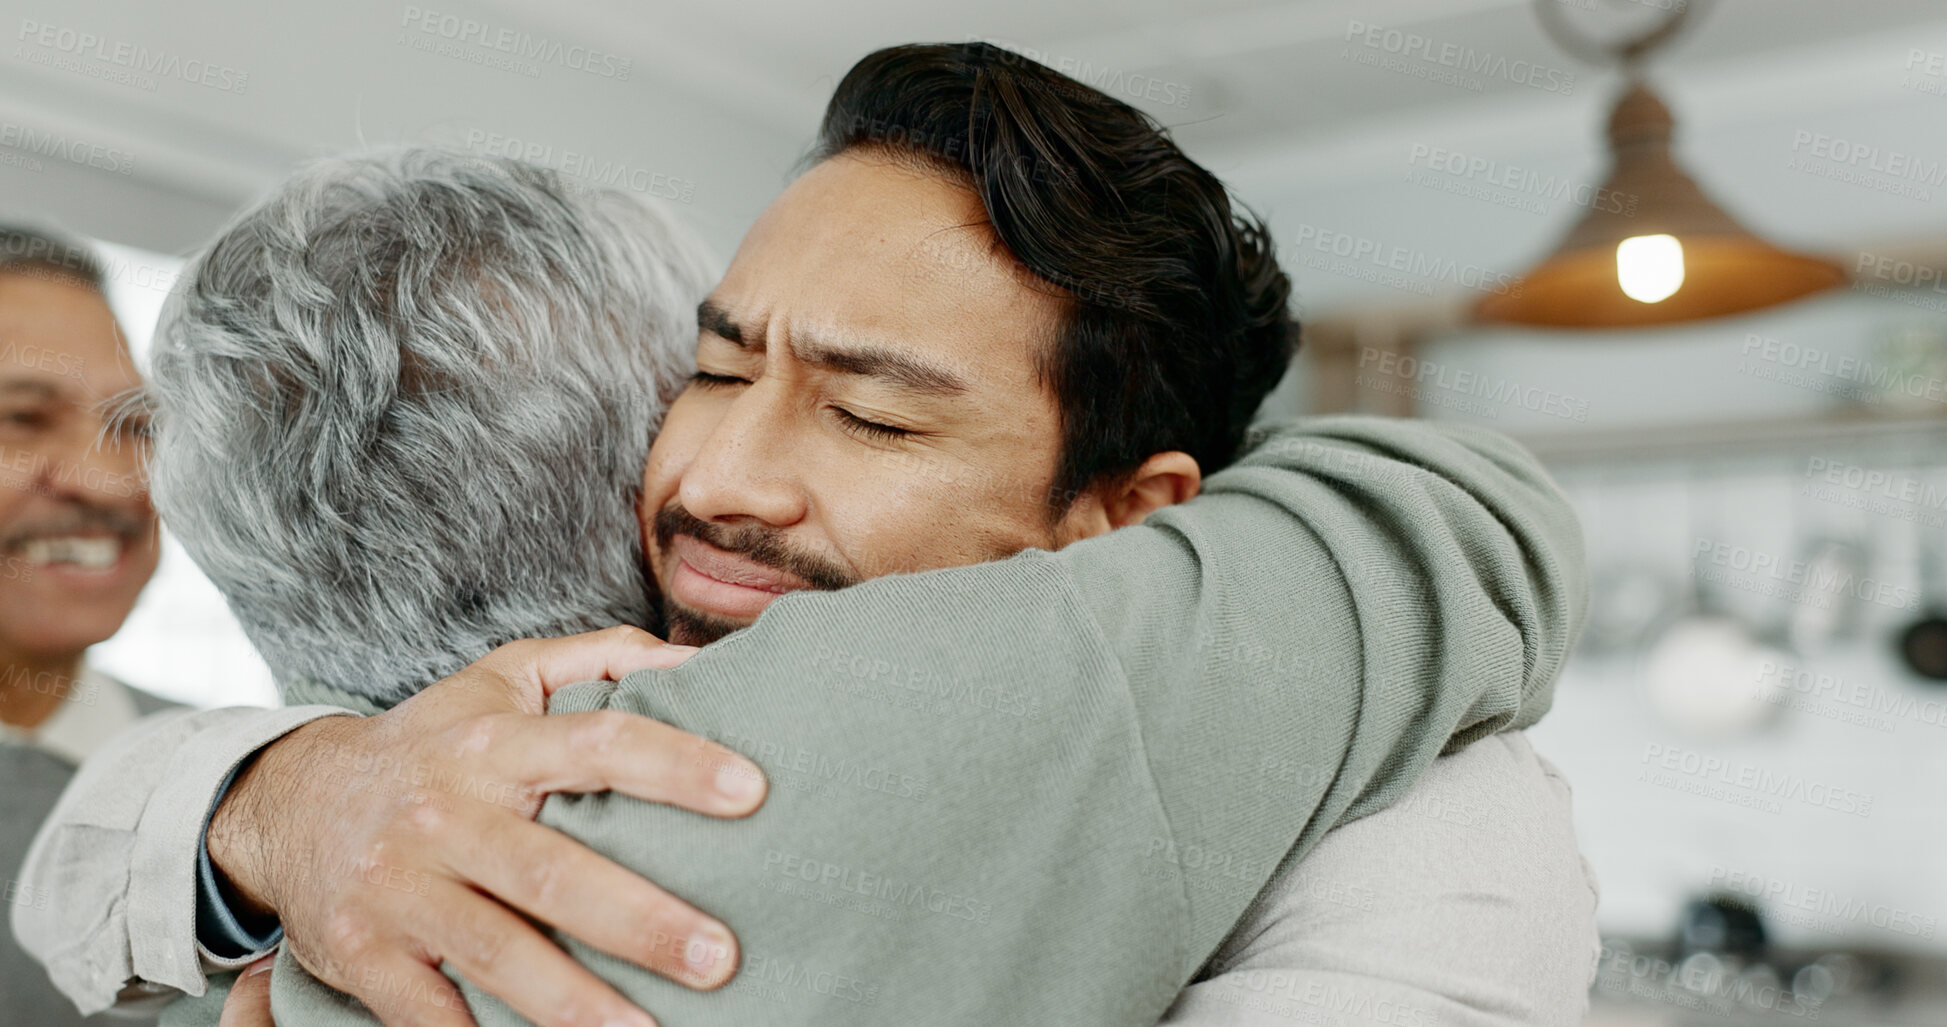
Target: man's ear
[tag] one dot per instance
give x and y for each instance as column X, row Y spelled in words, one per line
column 1165, row 479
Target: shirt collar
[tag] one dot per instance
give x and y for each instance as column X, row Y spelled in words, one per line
column 95, row 710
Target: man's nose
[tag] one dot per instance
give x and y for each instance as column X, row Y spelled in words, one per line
column 750, row 465
column 93, row 465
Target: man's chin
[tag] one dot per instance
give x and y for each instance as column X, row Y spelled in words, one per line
column 688, row 626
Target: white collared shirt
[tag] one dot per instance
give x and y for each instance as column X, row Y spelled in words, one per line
column 95, row 710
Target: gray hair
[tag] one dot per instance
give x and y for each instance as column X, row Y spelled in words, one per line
column 401, row 408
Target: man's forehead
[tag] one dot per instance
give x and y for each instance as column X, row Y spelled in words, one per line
column 919, row 231
column 873, row 193
column 61, row 334
column 872, row 251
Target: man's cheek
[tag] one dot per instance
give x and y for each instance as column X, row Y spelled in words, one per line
column 875, row 518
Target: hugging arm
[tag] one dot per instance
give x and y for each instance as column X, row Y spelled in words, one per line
column 1044, row 789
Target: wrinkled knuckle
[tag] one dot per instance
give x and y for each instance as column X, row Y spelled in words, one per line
column 628, row 633
column 349, row 937
column 599, row 733
column 508, row 654
column 487, row 949
column 524, row 800
column 426, row 819
column 544, row 882
column 477, row 735
column 575, row 1013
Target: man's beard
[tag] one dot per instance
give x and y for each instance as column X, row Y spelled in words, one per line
column 757, row 543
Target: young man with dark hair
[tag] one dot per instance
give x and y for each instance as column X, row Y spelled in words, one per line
column 914, row 365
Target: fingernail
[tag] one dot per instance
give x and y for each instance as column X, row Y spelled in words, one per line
column 739, row 781
column 707, row 949
column 684, row 649
column 261, row 966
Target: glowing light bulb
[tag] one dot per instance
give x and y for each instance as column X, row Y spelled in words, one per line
column 1649, row 267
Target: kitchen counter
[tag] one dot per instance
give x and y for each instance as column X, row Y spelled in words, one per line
column 1638, row 987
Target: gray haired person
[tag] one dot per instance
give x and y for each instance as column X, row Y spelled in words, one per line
column 400, row 412
column 435, row 327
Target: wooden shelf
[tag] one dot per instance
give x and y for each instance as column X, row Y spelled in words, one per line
column 1899, row 439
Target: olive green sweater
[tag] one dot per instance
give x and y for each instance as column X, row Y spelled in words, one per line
column 1042, row 790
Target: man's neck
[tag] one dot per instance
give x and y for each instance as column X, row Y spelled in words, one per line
column 33, row 687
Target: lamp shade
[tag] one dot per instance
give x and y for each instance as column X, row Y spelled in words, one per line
column 1653, row 249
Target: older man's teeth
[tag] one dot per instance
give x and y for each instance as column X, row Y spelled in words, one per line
column 93, row 553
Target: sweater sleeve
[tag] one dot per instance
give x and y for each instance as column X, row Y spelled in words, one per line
column 1042, row 790
column 1352, row 598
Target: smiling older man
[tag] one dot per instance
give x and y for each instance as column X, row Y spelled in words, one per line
column 78, row 542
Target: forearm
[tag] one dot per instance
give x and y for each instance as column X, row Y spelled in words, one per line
column 113, row 870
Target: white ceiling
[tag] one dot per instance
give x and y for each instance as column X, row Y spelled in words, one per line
column 723, row 97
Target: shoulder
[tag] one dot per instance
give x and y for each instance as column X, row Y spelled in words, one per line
column 1468, row 898
column 100, row 686
column 147, row 703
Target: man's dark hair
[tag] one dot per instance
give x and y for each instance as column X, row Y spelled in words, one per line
column 1180, row 322
column 34, row 251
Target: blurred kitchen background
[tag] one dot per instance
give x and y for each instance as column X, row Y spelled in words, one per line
column 1754, row 426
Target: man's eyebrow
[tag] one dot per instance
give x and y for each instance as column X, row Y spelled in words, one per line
column 716, row 320
column 900, row 369
column 33, row 385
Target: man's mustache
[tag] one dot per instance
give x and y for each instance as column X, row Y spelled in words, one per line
column 77, row 517
column 754, row 542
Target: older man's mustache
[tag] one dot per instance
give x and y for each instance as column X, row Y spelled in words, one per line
column 77, row 517
column 753, row 542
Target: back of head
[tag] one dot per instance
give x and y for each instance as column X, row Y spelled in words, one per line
column 401, row 409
